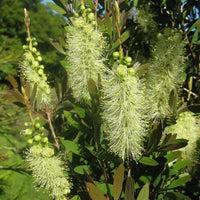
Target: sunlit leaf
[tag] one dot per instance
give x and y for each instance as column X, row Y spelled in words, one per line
column 57, row 8
column 144, row 193
column 180, row 181
column 148, row 161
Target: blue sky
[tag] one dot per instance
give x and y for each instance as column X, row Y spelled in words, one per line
column 44, row 1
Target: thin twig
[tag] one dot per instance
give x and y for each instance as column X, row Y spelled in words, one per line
column 52, row 130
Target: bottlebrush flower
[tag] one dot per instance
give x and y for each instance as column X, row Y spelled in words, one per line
column 84, row 56
column 165, row 74
column 48, row 171
column 187, row 127
column 124, row 112
column 34, row 74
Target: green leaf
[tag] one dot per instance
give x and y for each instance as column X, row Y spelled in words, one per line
column 173, row 97
column 118, row 181
column 71, row 146
column 103, row 187
column 180, row 181
column 80, row 111
column 76, row 197
column 171, row 156
column 80, row 169
column 92, row 88
column 108, row 25
column 94, row 192
column 176, row 196
column 129, row 188
column 148, row 161
column 144, row 193
column 69, row 118
column 123, row 38
column 155, row 137
column 57, row 45
column 195, row 37
column 58, row 88
column 28, row 89
column 135, row 3
column 33, row 93
column 181, row 164
column 57, row 8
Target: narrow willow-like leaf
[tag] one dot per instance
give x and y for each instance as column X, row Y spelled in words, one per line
column 57, row 8
column 118, row 182
column 144, row 193
column 148, row 161
column 180, row 181
column 129, row 188
column 13, row 81
column 94, row 192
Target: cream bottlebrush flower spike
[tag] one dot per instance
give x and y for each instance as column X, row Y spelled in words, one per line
column 84, row 56
column 187, row 127
column 33, row 71
column 165, row 75
column 124, row 112
column 48, row 171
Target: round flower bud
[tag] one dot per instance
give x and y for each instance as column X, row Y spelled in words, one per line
column 44, row 140
column 35, row 43
column 82, row 7
column 76, row 15
column 28, row 39
column 127, row 59
column 39, row 58
column 88, row 10
column 35, row 64
column 93, row 23
column 41, row 66
column 40, row 71
column 116, row 54
column 90, row 16
column 131, row 70
column 34, row 50
column 37, row 125
column 37, row 53
column 37, row 138
column 28, row 131
column 25, row 47
column 26, row 124
column 30, row 141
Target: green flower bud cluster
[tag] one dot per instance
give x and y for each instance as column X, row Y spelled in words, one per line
column 124, row 112
column 33, row 71
column 34, row 133
column 85, row 47
column 188, row 127
column 48, row 171
column 165, row 75
column 125, row 62
column 86, row 13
